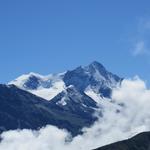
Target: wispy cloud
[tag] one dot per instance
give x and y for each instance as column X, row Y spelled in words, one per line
column 141, row 38
column 140, row 48
column 147, row 25
column 143, row 24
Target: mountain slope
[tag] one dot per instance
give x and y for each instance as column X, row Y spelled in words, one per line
column 72, row 97
column 21, row 109
column 71, row 101
column 138, row 142
column 94, row 76
column 46, row 87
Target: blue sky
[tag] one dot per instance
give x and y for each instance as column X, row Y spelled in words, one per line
column 50, row 36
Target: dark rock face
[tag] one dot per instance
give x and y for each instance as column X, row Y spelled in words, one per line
column 139, row 142
column 71, row 109
column 93, row 75
column 72, row 102
column 20, row 109
column 32, row 83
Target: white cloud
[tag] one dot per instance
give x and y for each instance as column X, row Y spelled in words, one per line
column 140, row 44
column 139, row 48
column 125, row 115
column 147, row 25
column 143, row 25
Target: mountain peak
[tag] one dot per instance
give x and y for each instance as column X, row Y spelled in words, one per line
column 95, row 66
column 94, row 75
column 96, row 63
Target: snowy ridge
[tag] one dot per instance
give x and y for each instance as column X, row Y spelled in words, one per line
column 93, row 80
column 46, row 87
column 96, row 97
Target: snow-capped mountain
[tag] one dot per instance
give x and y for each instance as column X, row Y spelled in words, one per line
column 93, row 78
column 67, row 100
column 46, row 87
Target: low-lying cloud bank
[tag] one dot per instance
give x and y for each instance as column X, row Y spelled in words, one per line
column 125, row 115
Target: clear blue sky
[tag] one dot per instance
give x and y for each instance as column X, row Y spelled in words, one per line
column 50, row 36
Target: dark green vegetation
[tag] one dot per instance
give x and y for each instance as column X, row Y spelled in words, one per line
column 138, row 142
column 20, row 109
